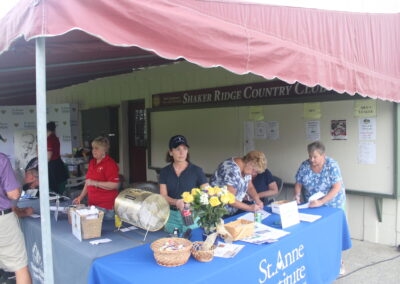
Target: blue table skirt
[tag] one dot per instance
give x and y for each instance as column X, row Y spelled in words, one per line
column 311, row 253
column 72, row 259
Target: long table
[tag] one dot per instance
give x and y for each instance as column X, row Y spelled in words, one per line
column 72, row 259
column 311, row 253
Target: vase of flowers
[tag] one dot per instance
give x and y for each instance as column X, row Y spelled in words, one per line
column 208, row 205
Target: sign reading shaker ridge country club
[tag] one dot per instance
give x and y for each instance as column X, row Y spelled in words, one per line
column 266, row 92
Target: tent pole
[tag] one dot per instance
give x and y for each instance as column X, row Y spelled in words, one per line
column 41, row 117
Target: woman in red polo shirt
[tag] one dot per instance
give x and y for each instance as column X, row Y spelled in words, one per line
column 102, row 179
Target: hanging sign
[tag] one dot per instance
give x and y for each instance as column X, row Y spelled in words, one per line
column 263, row 93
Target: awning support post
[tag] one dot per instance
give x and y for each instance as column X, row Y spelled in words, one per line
column 41, row 118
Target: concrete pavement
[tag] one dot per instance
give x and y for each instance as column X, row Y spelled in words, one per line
column 370, row 263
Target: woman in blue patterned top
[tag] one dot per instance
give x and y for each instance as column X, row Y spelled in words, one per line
column 236, row 174
column 320, row 173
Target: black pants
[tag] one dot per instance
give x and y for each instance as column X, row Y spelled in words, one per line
column 58, row 174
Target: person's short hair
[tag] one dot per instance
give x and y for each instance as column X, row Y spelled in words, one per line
column 258, row 159
column 51, row 126
column 102, row 141
column 34, row 172
column 316, row 146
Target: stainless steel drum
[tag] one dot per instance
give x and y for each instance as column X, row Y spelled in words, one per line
column 143, row 209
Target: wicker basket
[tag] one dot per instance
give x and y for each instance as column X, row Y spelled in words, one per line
column 171, row 258
column 202, row 255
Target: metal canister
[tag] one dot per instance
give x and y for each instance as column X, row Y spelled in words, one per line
column 143, row 209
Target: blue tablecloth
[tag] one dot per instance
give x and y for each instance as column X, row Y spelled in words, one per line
column 311, row 253
column 72, row 259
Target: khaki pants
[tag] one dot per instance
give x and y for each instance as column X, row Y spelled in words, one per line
column 12, row 244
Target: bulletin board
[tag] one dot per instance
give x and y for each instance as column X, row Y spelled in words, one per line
column 215, row 134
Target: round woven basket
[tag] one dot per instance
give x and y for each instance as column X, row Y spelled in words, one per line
column 202, row 255
column 171, row 258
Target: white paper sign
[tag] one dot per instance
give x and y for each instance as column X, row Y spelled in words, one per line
column 367, row 128
column 76, row 225
column 248, row 137
column 309, row 217
column 260, row 130
column 315, row 196
column 289, row 214
column 313, row 130
column 226, row 250
column 367, row 153
column 273, row 130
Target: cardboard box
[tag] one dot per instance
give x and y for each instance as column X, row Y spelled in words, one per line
column 240, row 229
column 85, row 228
column 275, row 205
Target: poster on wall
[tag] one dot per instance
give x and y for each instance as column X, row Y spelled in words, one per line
column 338, row 129
column 25, row 148
column 367, row 153
column 14, row 119
column 365, row 108
column 367, row 128
column 260, row 130
column 313, row 130
column 248, row 137
column 256, row 113
column 273, row 130
column 312, row 110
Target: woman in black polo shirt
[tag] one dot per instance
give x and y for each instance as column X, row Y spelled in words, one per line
column 176, row 178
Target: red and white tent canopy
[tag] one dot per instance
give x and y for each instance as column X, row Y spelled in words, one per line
column 346, row 51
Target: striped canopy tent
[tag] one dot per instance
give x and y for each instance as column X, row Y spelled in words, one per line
column 346, row 51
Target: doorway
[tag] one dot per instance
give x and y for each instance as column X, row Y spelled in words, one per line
column 137, row 136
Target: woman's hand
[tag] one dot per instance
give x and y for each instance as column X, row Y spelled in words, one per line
column 180, row 204
column 297, row 198
column 315, row 203
column 254, row 207
column 77, row 200
column 260, row 204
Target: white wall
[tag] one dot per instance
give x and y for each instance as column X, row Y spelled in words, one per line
column 362, row 217
column 218, row 132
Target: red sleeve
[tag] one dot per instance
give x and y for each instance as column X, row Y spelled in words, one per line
column 111, row 172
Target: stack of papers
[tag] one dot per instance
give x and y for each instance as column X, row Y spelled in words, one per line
column 100, row 241
column 91, row 213
column 131, row 228
column 308, row 217
column 226, row 250
column 265, row 234
column 59, row 208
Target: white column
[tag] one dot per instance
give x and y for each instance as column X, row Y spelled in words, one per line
column 41, row 116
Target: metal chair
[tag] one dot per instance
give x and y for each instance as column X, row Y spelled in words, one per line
column 279, row 183
column 74, row 186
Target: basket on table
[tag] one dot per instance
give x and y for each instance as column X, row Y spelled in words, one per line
column 170, row 258
column 202, row 255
